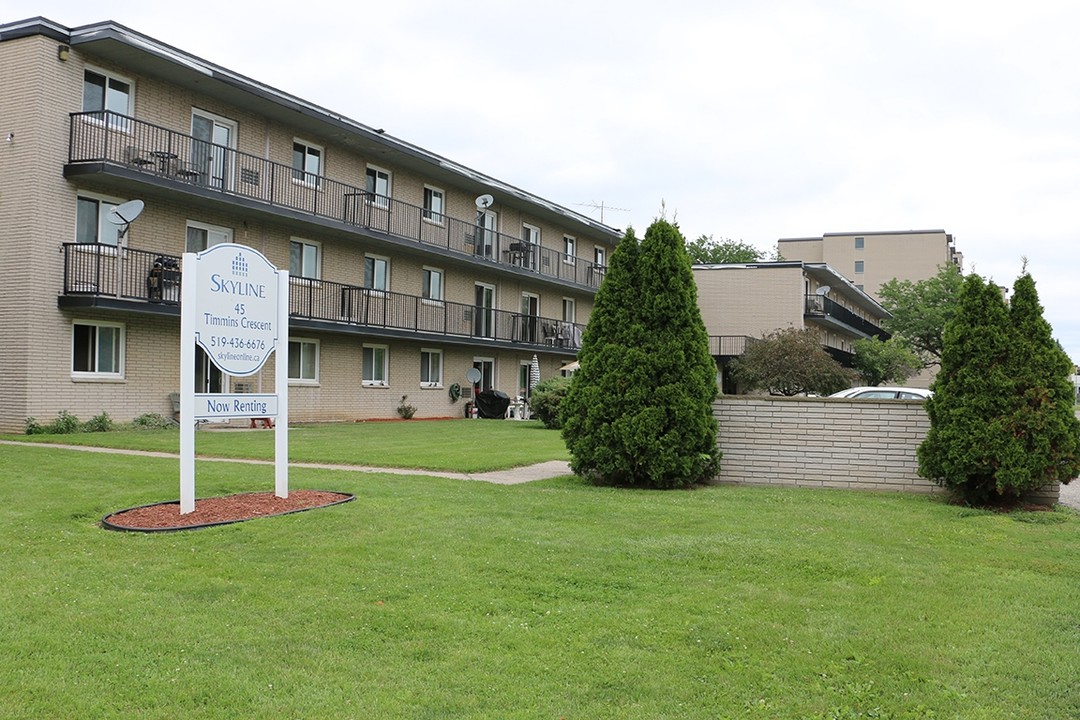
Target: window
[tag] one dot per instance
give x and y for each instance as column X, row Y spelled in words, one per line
column 200, row 236
column 378, row 186
column 91, row 223
column 569, row 249
column 213, row 139
column 569, row 309
column 97, row 349
column 433, row 284
column 103, row 92
column 430, row 368
column 599, row 267
column 529, row 321
column 530, row 234
column 376, row 273
column 433, row 204
column 304, row 259
column 486, row 366
column 376, row 359
column 859, row 265
column 307, row 163
column 304, row 360
column 859, row 243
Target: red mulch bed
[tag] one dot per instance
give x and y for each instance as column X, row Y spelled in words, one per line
column 220, row 510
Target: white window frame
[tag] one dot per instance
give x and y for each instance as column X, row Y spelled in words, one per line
column 218, row 160
column 310, row 149
column 373, row 196
column 375, row 259
column 426, row 273
column 380, row 377
column 96, row 373
column 530, row 234
column 569, row 309
column 860, row 267
column 300, row 342
column 103, row 225
column 437, row 382
column 305, row 243
column 489, row 361
column 210, row 230
column 599, row 257
column 432, row 214
column 122, row 125
column 860, row 243
column 569, row 249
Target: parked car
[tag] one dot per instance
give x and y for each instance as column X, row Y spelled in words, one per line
column 883, row 393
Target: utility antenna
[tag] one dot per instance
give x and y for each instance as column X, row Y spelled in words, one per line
column 601, row 207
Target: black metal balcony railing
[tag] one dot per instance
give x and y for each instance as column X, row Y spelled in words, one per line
column 730, row 345
column 821, row 306
column 138, row 275
column 107, row 137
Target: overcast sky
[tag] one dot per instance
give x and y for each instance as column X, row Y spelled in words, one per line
column 751, row 120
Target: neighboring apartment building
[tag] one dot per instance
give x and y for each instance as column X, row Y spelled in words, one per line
column 871, row 258
column 406, row 269
column 742, row 302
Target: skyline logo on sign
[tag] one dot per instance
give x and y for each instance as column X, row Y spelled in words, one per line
column 240, row 266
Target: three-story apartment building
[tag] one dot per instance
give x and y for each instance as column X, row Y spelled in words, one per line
column 742, row 302
column 406, row 269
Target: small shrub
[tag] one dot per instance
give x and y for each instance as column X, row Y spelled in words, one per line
column 98, row 423
column 64, row 424
column 151, row 421
column 546, row 399
column 32, row 427
column 404, row 409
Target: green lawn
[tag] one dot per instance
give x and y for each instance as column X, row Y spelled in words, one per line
column 435, row 598
column 454, row 445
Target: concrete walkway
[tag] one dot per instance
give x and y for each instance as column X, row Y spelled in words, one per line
column 513, row 476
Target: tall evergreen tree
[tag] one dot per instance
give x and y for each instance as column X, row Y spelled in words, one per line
column 1044, row 431
column 639, row 411
column 972, row 396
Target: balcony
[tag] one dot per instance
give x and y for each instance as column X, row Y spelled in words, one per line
column 139, row 149
column 830, row 313
column 141, row 281
column 728, row 346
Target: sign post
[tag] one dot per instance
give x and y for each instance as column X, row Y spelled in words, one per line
column 234, row 304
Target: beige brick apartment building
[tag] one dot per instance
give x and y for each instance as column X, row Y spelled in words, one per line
column 741, row 302
column 404, row 276
column 871, row 258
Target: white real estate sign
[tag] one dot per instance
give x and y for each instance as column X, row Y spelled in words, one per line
column 234, row 304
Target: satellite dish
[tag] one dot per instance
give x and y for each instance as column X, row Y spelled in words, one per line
column 473, row 375
column 823, row 290
column 484, row 201
column 125, row 213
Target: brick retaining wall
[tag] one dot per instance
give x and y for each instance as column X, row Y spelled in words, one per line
column 833, row 443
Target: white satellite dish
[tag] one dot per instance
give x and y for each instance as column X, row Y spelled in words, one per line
column 484, row 201
column 473, row 375
column 124, row 214
column 823, row 290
